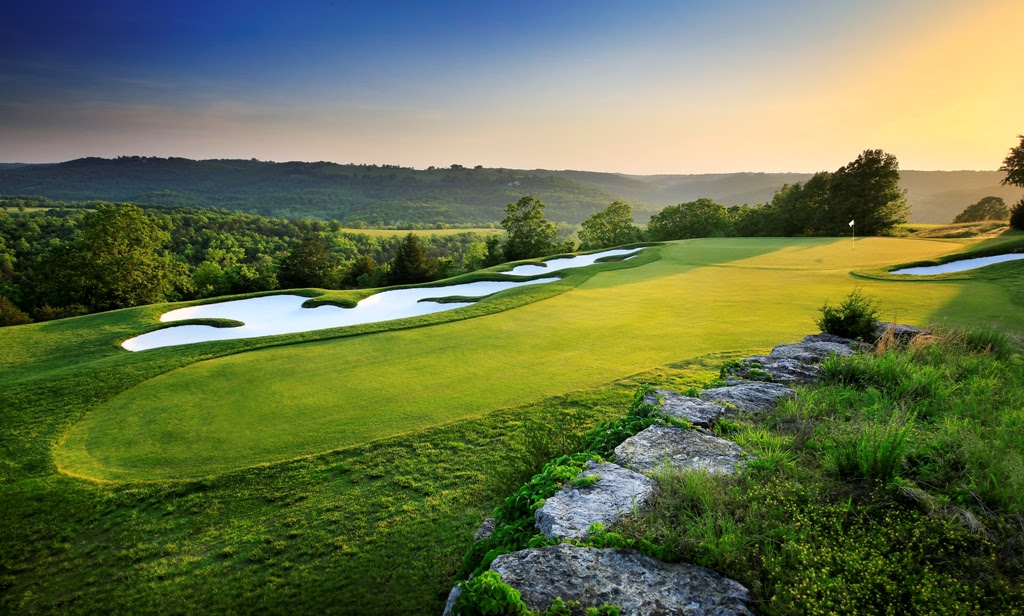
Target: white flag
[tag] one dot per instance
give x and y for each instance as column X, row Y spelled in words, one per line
column 851, row 223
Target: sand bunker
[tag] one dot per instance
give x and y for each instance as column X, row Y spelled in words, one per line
column 272, row 315
column 957, row 266
column 554, row 265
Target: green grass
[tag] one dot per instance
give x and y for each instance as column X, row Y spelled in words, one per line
column 279, row 403
column 451, row 408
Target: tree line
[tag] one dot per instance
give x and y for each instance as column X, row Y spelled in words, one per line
column 59, row 259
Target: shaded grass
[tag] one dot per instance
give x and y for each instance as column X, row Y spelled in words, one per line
column 375, row 529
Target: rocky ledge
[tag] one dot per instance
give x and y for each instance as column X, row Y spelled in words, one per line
column 749, row 396
column 696, row 411
column 617, row 491
column 639, row 584
column 677, row 449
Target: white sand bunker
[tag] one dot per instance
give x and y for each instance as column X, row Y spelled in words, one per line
column 957, row 266
column 272, row 315
column 554, row 265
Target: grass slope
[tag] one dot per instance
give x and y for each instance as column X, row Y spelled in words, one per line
column 278, row 403
column 380, row 528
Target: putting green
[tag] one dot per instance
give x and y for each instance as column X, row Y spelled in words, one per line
column 701, row 296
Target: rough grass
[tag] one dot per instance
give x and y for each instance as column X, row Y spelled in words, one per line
column 893, row 487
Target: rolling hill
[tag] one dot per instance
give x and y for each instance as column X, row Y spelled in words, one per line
column 391, row 195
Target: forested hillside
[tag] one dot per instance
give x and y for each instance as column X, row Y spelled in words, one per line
column 370, row 194
column 388, row 195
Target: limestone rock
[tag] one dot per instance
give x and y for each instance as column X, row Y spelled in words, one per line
column 639, row 584
column 485, row 531
column 570, row 512
column 680, row 449
column 453, row 596
column 899, row 331
column 781, row 370
column 696, row 411
column 750, row 396
column 814, row 349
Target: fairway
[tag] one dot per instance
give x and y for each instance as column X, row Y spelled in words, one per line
column 701, row 296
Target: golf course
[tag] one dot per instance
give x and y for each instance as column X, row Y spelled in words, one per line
column 384, row 442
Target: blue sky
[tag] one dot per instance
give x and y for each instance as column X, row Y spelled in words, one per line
column 635, row 87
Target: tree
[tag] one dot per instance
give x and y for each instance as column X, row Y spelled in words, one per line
column 411, row 264
column 363, row 266
column 612, row 226
column 115, row 261
column 530, row 234
column 1013, row 165
column 868, row 191
column 495, row 254
column 11, row 314
column 988, row 208
column 310, row 263
column 700, row 218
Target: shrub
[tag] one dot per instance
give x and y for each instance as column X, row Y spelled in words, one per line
column 11, row 314
column 1017, row 216
column 855, row 318
column 487, row 594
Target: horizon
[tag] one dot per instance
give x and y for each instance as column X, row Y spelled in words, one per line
column 470, row 166
column 661, row 89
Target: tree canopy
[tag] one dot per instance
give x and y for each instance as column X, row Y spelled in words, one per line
column 1013, row 165
column 868, row 191
column 988, row 208
column 411, row 264
column 116, row 260
column 612, row 226
column 530, row 234
column 310, row 263
column 700, row 218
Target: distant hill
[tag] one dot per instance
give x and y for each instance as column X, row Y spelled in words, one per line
column 391, row 195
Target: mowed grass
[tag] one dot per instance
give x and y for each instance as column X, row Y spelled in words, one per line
column 702, row 296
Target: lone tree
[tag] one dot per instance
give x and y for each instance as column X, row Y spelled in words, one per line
column 310, row 263
column 411, row 264
column 117, row 260
column 530, row 234
column 988, row 208
column 612, row 226
column 868, row 191
column 1013, row 165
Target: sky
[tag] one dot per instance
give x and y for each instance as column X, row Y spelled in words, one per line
column 633, row 87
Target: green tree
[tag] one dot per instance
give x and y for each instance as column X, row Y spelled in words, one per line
column 474, row 256
column 495, row 254
column 411, row 264
column 530, row 234
column 988, row 208
column 115, row 261
column 11, row 314
column 310, row 263
column 700, row 218
column 867, row 191
column 1013, row 165
column 612, row 226
column 363, row 266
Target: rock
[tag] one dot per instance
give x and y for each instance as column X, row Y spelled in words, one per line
column 639, row 584
column 694, row 410
column 680, row 449
column 453, row 596
column 485, row 531
column 781, row 370
column 570, row 512
column 899, row 331
column 750, row 396
column 814, row 349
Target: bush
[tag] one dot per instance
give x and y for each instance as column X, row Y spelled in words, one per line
column 855, row 318
column 1017, row 216
column 11, row 314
